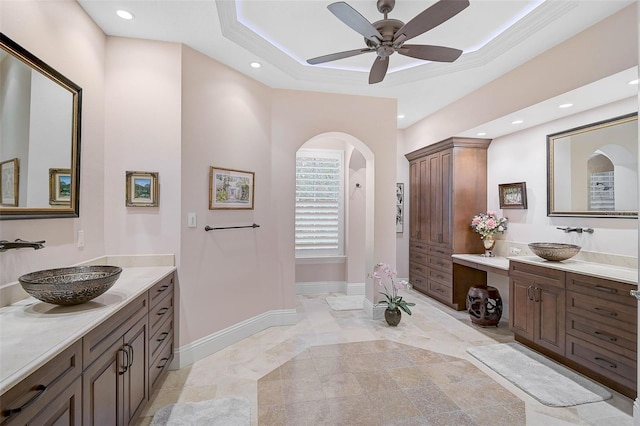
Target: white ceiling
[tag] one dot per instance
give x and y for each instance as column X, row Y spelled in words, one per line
column 495, row 35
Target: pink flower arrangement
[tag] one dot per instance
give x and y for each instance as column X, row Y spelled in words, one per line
column 384, row 275
column 488, row 223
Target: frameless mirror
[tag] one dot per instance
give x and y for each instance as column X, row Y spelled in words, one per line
column 593, row 170
column 39, row 137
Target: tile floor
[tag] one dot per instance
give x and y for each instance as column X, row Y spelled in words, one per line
column 249, row 367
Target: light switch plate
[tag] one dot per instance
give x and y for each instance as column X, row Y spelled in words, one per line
column 192, row 221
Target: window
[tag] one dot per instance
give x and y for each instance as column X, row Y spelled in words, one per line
column 319, row 203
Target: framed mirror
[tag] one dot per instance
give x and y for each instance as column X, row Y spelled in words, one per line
column 40, row 112
column 593, row 170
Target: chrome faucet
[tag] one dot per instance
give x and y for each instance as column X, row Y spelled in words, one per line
column 579, row 230
column 18, row 244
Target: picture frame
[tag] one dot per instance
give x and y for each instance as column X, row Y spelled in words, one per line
column 231, row 189
column 60, row 187
column 399, row 207
column 513, row 195
column 9, row 180
column 142, row 189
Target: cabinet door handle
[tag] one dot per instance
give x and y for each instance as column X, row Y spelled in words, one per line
column 126, row 363
column 606, row 289
column 163, row 311
column 529, row 296
column 537, row 291
column 606, row 336
column 606, row 361
column 164, row 363
column 420, row 247
column 163, row 288
column 129, row 349
column 604, row 311
column 11, row 411
column 163, row 336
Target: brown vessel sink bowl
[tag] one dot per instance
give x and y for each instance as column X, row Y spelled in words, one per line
column 554, row 251
column 70, row 286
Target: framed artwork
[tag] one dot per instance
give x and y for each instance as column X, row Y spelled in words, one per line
column 399, row 207
column 513, row 195
column 9, row 178
column 230, row 189
column 60, row 187
column 142, row 189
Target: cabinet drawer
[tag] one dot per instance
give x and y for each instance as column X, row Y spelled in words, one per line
column 418, row 257
column 612, row 338
column 164, row 333
column 537, row 274
column 416, row 246
column 614, row 314
column 440, row 290
column 443, row 278
column 439, row 251
column 418, row 268
column 97, row 341
column 160, row 312
column 440, row 263
column 614, row 291
column 161, row 364
column 160, row 289
column 418, row 280
column 609, row 364
column 23, row 401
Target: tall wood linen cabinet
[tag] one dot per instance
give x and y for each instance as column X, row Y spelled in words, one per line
column 448, row 186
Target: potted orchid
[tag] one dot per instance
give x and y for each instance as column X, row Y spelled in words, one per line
column 383, row 274
column 487, row 224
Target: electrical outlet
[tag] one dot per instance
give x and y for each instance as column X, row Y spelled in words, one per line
column 80, row 238
column 514, row 250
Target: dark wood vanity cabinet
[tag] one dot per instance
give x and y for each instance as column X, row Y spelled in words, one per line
column 537, row 305
column 115, row 380
column 161, row 325
column 602, row 326
column 52, row 395
column 587, row 323
column 448, row 186
column 107, row 376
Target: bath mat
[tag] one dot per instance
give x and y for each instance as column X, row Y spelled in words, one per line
column 215, row 412
column 545, row 380
column 345, row 303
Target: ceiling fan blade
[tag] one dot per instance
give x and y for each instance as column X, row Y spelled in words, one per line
column 355, row 21
column 336, row 56
column 378, row 70
column 429, row 18
column 430, row 53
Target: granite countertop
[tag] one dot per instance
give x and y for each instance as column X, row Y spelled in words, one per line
column 600, row 270
column 34, row 332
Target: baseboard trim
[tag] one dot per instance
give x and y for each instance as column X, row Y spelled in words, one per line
column 636, row 412
column 205, row 346
column 355, row 289
column 320, row 287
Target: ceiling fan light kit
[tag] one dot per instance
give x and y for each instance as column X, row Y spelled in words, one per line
column 387, row 36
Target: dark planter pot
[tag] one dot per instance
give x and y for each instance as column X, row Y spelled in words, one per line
column 392, row 316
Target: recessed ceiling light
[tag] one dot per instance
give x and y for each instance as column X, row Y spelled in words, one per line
column 124, row 14
column 255, row 65
column 400, row 115
column 565, row 106
column 482, row 134
column 517, row 122
column 634, row 81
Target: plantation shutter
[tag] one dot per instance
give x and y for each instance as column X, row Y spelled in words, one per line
column 319, row 203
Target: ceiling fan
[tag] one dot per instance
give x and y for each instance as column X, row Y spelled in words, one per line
column 388, row 36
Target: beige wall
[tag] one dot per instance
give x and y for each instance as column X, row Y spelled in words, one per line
column 604, row 49
column 62, row 35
